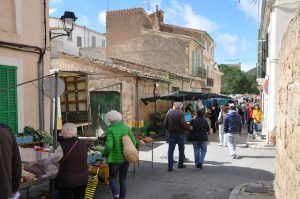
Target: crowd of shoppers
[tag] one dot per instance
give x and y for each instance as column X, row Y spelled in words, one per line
column 72, row 177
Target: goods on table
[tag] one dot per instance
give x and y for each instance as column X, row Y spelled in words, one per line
column 41, row 164
column 94, row 156
column 38, row 135
column 37, row 169
column 27, row 176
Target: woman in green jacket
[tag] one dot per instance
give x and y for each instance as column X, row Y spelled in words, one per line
column 114, row 151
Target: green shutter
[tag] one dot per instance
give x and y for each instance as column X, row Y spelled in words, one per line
column 198, row 63
column 101, row 103
column 8, row 97
column 193, row 67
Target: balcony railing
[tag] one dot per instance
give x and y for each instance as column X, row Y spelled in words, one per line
column 202, row 73
column 210, row 82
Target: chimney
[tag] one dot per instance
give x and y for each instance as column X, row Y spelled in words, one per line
column 156, row 19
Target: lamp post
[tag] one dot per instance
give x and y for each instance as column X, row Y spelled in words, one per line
column 68, row 20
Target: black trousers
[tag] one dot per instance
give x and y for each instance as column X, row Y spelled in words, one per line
column 72, row 193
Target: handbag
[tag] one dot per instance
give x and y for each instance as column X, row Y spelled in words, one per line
column 220, row 121
column 189, row 137
column 91, row 185
column 131, row 154
column 71, row 149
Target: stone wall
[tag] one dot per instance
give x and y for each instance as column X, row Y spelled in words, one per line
column 130, row 36
column 287, row 180
column 93, row 53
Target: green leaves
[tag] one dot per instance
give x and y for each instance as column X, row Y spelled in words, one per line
column 38, row 135
column 237, row 82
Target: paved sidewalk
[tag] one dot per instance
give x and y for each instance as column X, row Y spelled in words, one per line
column 254, row 190
column 259, row 143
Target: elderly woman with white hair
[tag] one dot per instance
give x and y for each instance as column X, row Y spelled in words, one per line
column 72, row 176
column 114, row 150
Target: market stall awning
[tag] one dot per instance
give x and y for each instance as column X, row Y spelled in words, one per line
column 184, row 96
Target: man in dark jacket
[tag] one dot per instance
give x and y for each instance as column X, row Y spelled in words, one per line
column 232, row 127
column 176, row 125
column 10, row 163
column 199, row 138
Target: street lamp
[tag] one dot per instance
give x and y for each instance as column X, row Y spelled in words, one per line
column 68, row 20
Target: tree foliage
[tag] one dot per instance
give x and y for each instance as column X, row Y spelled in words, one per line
column 236, row 81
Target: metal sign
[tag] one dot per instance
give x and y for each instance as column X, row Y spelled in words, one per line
column 49, row 87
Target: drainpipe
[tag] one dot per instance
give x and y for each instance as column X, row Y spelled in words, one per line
column 41, row 94
column 137, row 117
column 273, row 74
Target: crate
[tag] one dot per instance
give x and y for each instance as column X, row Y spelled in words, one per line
column 19, row 139
column 103, row 172
column 27, row 139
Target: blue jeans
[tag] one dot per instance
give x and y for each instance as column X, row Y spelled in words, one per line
column 176, row 138
column 200, row 149
column 122, row 169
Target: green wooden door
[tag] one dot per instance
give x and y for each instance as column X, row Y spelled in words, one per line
column 8, row 97
column 101, row 103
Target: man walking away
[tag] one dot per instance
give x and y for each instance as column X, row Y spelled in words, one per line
column 176, row 125
column 232, row 127
column 10, row 163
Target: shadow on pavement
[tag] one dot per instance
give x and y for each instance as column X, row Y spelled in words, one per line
column 214, row 181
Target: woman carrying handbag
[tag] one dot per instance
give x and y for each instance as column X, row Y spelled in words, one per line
column 72, row 176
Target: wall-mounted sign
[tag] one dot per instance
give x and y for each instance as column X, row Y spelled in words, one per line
column 156, row 92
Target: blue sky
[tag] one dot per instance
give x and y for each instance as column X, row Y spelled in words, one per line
column 233, row 24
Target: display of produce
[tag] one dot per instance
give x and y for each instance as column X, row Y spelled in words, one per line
column 38, row 169
column 94, row 156
column 41, row 164
column 38, row 135
column 27, row 176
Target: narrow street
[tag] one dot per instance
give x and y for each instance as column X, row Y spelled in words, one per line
column 218, row 177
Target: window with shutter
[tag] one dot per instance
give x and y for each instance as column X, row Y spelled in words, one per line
column 8, row 97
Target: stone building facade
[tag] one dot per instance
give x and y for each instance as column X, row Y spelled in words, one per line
column 109, row 76
column 144, row 39
column 287, row 179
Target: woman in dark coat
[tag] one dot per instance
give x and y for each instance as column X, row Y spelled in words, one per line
column 214, row 117
column 72, row 176
column 199, row 138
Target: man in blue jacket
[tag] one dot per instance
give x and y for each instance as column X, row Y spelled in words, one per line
column 232, row 127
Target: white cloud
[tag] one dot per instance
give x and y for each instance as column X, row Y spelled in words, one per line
column 196, row 21
column 83, row 20
column 232, row 44
column 183, row 14
column 150, row 6
column 102, row 18
column 228, row 43
column 248, row 66
column 249, row 8
column 52, row 10
column 56, row 1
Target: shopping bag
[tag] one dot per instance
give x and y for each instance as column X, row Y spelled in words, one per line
column 91, row 186
column 258, row 126
column 131, row 154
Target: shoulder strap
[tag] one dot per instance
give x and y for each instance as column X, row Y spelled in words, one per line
column 61, row 162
